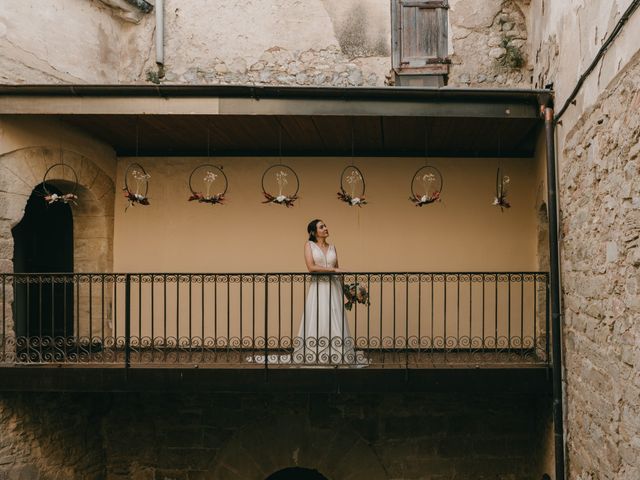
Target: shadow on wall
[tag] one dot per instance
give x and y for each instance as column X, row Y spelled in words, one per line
column 362, row 29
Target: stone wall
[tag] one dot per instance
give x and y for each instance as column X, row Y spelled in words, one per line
column 600, row 201
column 276, row 42
column 489, row 44
column 250, row 436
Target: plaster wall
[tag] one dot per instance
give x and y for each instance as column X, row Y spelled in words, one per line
column 276, row 42
column 464, row 232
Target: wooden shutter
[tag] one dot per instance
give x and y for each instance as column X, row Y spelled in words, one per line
column 419, row 33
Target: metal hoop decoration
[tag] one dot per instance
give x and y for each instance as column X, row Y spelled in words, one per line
column 216, row 198
column 430, row 174
column 280, row 198
column 500, row 199
column 136, row 197
column 69, row 197
column 353, row 198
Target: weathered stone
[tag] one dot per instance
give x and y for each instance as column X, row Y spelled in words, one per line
column 497, row 52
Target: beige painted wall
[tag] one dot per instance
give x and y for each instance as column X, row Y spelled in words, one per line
column 462, row 233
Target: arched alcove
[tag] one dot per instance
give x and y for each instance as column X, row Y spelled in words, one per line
column 22, row 171
column 43, row 243
column 291, row 441
column 296, row 473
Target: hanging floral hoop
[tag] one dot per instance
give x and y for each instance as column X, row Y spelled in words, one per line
column 502, row 182
column 69, row 197
column 349, row 178
column 430, row 180
column 211, row 174
column 282, row 180
column 141, row 183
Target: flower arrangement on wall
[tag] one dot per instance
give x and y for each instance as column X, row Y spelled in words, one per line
column 352, row 187
column 502, row 188
column 135, row 176
column 208, row 184
column 280, row 185
column 64, row 198
column 426, row 186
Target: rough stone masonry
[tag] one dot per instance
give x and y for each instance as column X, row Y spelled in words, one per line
column 600, row 201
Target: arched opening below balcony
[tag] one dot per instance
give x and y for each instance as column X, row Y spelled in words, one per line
column 296, row 473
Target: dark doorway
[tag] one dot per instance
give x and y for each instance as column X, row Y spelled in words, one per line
column 296, row 473
column 43, row 243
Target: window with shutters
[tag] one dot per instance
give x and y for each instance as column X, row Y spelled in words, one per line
column 419, row 37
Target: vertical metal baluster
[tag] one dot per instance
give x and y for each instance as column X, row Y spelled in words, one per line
column 39, row 307
column 77, row 302
column 177, row 313
column 419, row 351
column 190, row 316
column 535, row 313
column 64, row 314
column 279, row 343
column 355, row 321
column 215, row 311
column 458, row 312
column 382, row 353
column 202, row 336
column 406, row 321
column 53, row 313
column 394, row 338
column 522, row 315
column 509, row 313
column 304, row 317
column 318, row 322
column 241, row 284
column 496, row 313
column 102, row 316
column 444, row 306
column 153, row 320
column 483, row 313
column 139, row 318
column 266, row 322
column 115, row 316
column 127, row 321
column 433, row 332
column 470, row 315
column 547, row 330
column 228, row 316
column 253, row 312
column 369, row 313
column 164, row 315
column 29, row 332
column 90, row 314
column 291, row 315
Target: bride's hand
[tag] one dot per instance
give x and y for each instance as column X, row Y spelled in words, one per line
column 338, row 270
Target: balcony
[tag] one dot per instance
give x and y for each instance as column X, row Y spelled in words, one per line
column 412, row 320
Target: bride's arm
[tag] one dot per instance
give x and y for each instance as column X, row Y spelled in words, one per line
column 311, row 265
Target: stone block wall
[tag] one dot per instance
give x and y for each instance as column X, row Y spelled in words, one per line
column 193, row 436
column 600, row 202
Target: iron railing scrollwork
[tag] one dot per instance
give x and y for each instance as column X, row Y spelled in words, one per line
column 409, row 320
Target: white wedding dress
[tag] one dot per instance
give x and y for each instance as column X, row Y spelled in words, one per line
column 324, row 336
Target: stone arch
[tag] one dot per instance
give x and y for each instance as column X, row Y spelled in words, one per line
column 21, row 171
column 260, row 449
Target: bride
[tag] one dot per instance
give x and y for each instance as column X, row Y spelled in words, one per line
column 324, row 335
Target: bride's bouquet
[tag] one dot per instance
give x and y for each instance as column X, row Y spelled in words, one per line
column 354, row 292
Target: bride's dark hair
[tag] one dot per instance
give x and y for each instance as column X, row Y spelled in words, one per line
column 312, row 228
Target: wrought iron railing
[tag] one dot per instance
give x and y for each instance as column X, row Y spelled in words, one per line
column 258, row 320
